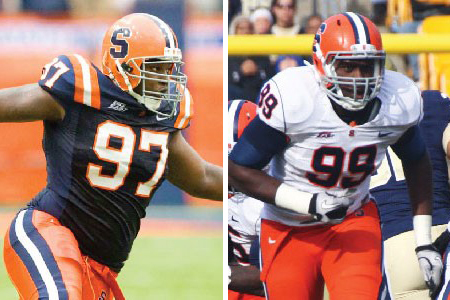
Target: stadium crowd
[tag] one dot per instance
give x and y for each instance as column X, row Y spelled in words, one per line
column 285, row 17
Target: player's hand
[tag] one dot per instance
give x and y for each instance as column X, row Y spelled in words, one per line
column 328, row 207
column 430, row 262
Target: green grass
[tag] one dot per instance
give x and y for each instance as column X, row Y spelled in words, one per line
column 163, row 268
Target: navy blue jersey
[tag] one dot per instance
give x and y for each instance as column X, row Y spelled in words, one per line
column 105, row 159
column 389, row 185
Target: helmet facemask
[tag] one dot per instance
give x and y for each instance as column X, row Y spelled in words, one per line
column 354, row 93
column 159, row 91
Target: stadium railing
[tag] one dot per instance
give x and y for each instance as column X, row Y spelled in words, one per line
column 302, row 44
column 433, row 47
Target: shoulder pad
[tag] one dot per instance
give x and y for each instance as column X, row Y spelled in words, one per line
column 402, row 100
column 240, row 114
column 71, row 79
column 287, row 100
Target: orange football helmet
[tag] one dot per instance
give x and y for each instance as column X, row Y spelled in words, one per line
column 349, row 36
column 133, row 51
column 240, row 114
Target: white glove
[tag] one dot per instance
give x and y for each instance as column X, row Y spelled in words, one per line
column 329, row 207
column 430, row 262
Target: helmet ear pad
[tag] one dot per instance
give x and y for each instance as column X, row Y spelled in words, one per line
column 126, row 67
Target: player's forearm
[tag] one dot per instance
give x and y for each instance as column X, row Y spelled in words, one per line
column 11, row 107
column 419, row 180
column 245, row 279
column 211, row 186
column 253, row 182
column 28, row 103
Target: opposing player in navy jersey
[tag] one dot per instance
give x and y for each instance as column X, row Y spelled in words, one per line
column 111, row 137
column 390, row 190
column 325, row 130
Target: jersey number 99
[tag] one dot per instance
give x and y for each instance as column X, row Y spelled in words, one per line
column 328, row 165
column 267, row 101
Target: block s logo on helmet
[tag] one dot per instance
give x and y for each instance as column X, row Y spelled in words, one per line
column 118, row 39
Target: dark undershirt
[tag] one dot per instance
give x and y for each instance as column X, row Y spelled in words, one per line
column 368, row 113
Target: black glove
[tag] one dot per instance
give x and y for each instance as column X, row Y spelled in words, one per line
column 441, row 242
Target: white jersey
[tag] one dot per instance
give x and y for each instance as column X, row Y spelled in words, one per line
column 244, row 212
column 244, row 221
column 324, row 152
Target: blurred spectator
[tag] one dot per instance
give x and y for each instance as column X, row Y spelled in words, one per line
column 234, row 8
column 285, row 23
column 241, row 25
column 284, row 62
column 379, row 10
column 262, row 21
column 284, row 13
column 249, row 6
column 246, row 74
column 311, row 24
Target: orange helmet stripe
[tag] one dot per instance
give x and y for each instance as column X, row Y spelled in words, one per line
column 171, row 41
column 186, row 111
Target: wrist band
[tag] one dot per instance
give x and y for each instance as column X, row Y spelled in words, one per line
column 422, row 229
column 293, row 199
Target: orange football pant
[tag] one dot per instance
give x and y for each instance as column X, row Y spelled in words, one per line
column 44, row 262
column 296, row 261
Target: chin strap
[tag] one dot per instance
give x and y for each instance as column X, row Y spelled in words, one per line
column 375, row 109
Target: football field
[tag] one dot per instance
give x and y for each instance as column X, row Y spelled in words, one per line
column 171, row 259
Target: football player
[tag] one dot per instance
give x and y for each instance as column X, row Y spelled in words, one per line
column 111, row 137
column 389, row 189
column 243, row 216
column 326, row 128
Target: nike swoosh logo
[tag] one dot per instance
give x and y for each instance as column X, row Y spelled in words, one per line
column 158, row 118
column 330, row 206
column 233, row 219
column 272, row 241
column 384, row 134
